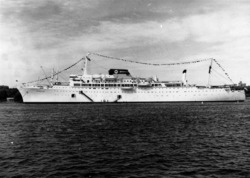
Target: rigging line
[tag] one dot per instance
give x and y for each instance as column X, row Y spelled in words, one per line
column 57, row 72
column 220, row 75
column 146, row 63
column 63, row 77
column 223, row 70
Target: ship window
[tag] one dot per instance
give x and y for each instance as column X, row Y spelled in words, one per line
column 73, row 95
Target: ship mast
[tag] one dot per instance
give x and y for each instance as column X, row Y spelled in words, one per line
column 52, row 76
column 209, row 72
column 85, row 65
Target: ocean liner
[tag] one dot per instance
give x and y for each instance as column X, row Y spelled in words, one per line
column 120, row 86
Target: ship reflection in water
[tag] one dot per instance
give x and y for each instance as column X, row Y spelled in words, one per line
column 125, row 140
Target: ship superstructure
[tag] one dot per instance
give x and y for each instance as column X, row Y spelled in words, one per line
column 120, row 86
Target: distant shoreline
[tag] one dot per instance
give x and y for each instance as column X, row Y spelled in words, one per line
column 6, row 92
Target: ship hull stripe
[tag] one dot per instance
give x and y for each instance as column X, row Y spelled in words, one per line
column 225, row 101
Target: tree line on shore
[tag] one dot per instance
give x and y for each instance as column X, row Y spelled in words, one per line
column 248, row 91
column 6, row 92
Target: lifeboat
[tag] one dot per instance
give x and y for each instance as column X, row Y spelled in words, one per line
column 144, row 84
column 127, row 88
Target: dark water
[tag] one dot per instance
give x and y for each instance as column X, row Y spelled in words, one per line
column 125, row 140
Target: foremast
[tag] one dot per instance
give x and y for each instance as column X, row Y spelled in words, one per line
column 209, row 73
column 85, row 64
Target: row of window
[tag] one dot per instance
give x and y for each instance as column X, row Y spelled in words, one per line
column 74, row 95
column 129, row 85
column 112, row 85
column 126, row 91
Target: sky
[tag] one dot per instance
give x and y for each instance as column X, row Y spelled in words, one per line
column 57, row 33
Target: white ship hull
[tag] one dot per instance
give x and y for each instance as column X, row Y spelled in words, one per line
column 69, row 94
column 120, row 86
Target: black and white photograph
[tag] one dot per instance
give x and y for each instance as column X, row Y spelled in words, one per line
column 125, row 88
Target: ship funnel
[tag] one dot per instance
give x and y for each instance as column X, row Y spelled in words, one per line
column 184, row 79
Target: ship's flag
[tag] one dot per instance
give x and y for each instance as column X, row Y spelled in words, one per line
column 88, row 58
column 210, row 67
column 184, row 71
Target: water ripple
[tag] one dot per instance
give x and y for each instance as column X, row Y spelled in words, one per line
column 125, row 140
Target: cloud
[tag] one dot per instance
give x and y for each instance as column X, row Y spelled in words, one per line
column 110, row 35
column 218, row 27
column 49, row 32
